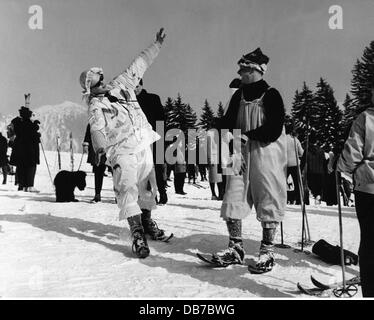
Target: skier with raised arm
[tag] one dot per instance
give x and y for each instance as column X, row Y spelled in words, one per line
column 121, row 136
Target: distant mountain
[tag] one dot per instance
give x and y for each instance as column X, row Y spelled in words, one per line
column 57, row 121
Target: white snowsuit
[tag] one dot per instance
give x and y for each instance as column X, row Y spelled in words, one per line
column 126, row 138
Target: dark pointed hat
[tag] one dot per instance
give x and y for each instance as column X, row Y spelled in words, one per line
column 255, row 59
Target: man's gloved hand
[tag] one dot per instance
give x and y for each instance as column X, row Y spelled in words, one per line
column 160, row 36
column 100, row 156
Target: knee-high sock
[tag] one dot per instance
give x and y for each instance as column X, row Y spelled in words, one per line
column 268, row 235
column 234, row 227
column 146, row 215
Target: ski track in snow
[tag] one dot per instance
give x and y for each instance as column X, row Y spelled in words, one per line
column 80, row 249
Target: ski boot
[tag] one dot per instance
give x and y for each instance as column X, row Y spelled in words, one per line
column 151, row 229
column 234, row 254
column 265, row 261
column 163, row 198
column 96, row 199
column 32, row 189
column 139, row 244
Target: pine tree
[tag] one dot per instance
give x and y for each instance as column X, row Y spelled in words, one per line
column 302, row 111
column 207, row 118
column 220, row 111
column 177, row 114
column 220, row 114
column 190, row 118
column 168, row 109
column 362, row 81
column 327, row 116
column 349, row 114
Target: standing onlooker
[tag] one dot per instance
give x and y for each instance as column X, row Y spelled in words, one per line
column 191, row 163
column 3, row 157
column 293, row 146
column 25, row 149
column 179, row 171
column 201, row 165
column 98, row 170
column 316, row 168
column 191, row 172
column 357, row 158
column 154, row 111
column 214, row 176
column 202, row 171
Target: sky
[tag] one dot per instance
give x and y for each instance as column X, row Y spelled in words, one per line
column 204, row 40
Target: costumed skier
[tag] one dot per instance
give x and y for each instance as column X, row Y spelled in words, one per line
column 121, row 133
column 258, row 111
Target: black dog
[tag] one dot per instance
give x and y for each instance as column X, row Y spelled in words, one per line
column 65, row 183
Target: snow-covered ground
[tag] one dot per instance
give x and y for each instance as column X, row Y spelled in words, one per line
column 80, row 249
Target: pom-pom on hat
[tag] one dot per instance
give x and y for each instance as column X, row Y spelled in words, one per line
column 255, row 59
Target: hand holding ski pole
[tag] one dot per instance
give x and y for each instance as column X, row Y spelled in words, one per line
column 244, row 151
column 160, row 36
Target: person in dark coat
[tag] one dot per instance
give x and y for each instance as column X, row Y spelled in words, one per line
column 316, row 168
column 3, row 157
column 154, row 111
column 25, row 149
column 98, row 170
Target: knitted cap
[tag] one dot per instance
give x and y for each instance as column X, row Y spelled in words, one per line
column 85, row 79
column 255, row 59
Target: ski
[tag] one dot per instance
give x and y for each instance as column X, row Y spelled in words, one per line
column 167, row 238
column 164, row 238
column 199, row 186
column 209, row 260
column 317, row 292
column 255, row 270
column 353, row 281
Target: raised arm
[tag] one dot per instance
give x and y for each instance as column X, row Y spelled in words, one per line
column 132, row 75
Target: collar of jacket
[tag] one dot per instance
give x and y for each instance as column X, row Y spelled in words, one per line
column 250, row 91
column 142, row 93
column 258, row 86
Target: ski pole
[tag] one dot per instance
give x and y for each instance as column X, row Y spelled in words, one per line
column 71, row 151
column 349, row 290
column 45, row 158
column 282, row 245
column 246, row 173
column 301, row 193
column 343, row 290
column 337, row 178
column 80, row 162
column 58, row 152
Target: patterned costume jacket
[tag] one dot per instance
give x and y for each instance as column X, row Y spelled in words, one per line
column 122, row 123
